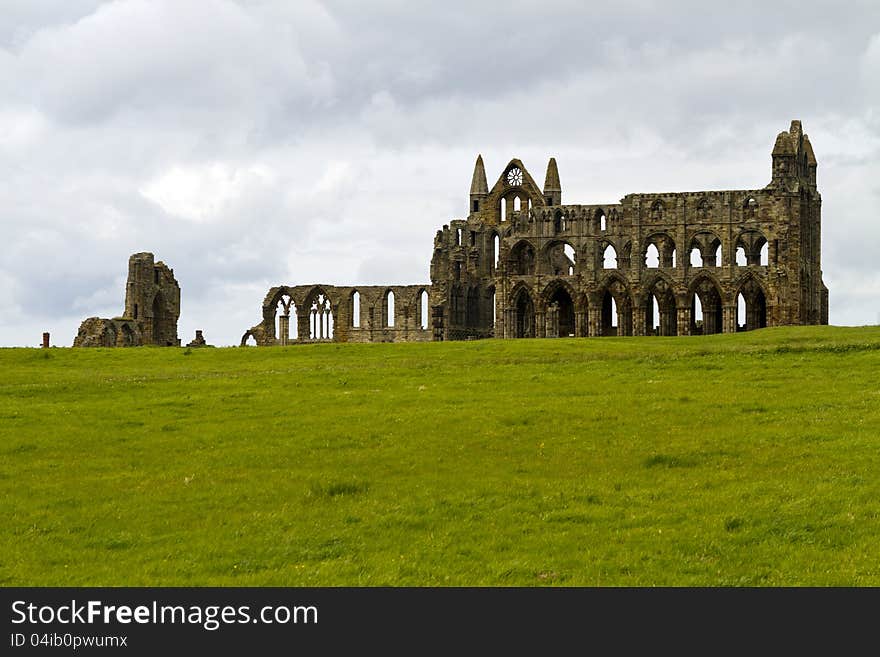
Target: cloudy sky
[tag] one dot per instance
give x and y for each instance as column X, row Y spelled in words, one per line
column 250, row 143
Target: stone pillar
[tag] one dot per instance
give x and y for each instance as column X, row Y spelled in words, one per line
column 638, row 320
column 580, row 324
column 45, row 340
column 540, row 324
column 594, row 321
column 284, row 330
column 684, row 321
column 552, row 328
column 728, row 317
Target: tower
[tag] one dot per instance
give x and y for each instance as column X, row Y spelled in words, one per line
column 552, row 187
column 479, row 187
column 152, row 299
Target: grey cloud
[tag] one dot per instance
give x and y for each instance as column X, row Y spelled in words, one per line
column 257, row 142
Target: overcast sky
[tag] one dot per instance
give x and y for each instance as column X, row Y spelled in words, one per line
column 252, row 143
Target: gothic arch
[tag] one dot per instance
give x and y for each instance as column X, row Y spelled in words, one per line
column 523, row 312
column 660, row 287
column 754, row 294
column 522, row 260
column 559, row 300
column 615, row 306
column 706, row 289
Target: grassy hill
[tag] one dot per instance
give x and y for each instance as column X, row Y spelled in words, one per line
column 749, row 459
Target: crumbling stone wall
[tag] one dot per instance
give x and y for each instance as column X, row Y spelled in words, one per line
column 152, row 308
column 321, row 313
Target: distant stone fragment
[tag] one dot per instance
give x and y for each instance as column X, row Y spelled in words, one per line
column 199, row 341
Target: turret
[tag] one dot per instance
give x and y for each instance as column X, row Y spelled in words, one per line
column 811, row 161
column 479, row 187
column 552, row 187
column 784, row 159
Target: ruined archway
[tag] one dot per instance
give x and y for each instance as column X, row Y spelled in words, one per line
column 560, row 312
column 522, row 259
column 320, row 315
column 660, row 299
column 524, row 314
column 706, row 295
column 616, row 317
column 755, row 302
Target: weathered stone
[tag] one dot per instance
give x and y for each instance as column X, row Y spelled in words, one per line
column 524, row 265
column 199, row 341
column 152, row 308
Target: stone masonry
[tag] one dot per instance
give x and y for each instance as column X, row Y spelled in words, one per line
column 523, row 264
column 152, row 308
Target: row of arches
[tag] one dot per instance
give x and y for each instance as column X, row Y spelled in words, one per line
column 612, row 310
column 322, row 314
column 559, row 257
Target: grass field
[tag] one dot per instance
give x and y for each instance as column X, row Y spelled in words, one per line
column 748, row 459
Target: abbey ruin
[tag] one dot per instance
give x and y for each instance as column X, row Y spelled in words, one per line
column 523, row 264
column 152, row 308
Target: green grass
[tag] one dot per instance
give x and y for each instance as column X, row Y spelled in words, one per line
column 750, row 459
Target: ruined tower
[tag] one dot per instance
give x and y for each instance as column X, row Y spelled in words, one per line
column 152, row 299
column 152, row 308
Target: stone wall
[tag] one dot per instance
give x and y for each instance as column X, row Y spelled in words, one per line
column 322, row 313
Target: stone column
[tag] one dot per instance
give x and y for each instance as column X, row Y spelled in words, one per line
column 580, row 324
column 638, row 320
column 284, row 330
column 540, row 324
column 684, row 321
column 728, row 317
column 552, row 328
column 594, row 321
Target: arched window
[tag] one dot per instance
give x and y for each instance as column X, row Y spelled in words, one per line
column 718, row 256
column 655, row 315
column 504, row 209
column 741, row 256
column 652, row 257
column 320, row 319
column 740, row 312
column 558, row 223
column 496, row 250
column 517, row 204
column 765, row 254
column 356, row 310
column 674, row 261
column 423, row 309
column 603, row 224
column 458, row 237
column 286, row 315
column 613, row 314
column 697, row 309
column 696, row 257
column 389, row 309
column 568, row 250
column 609, row 258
